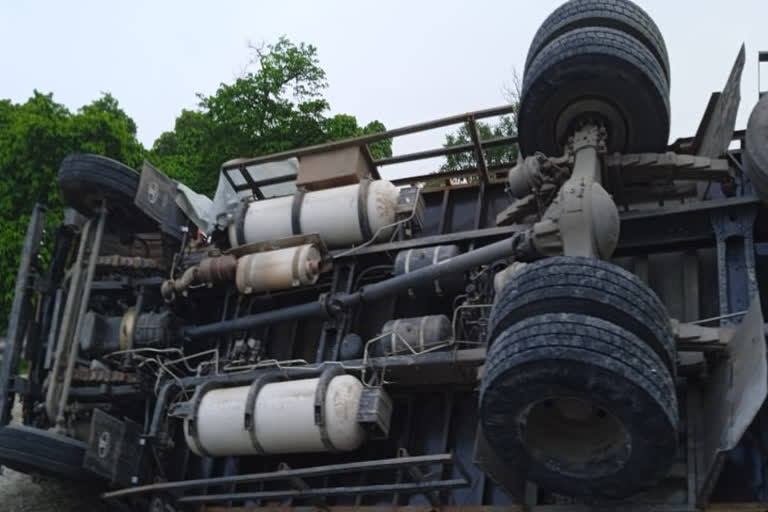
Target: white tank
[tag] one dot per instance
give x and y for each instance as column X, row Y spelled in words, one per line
column 278, row 270
column 332, row 213
column 284, row 419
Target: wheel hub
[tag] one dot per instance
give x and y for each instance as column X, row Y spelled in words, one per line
column 574, row 436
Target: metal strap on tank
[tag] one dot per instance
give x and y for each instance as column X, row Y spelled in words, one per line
column 407, row 269
column 435, row 258
column 249, row 418
column 242, row 209
column 200, row 392
column 421, row 332
column 362, row 209
column 393, row 337
column 408, row 261
column 322, row 390
column 296, row 277
column 298, row 200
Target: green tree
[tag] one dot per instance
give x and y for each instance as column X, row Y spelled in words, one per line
column 189, row 153
column 276, row 106
column 344, row 126
column 103, row 128
column 506, row 126
column 34, row 138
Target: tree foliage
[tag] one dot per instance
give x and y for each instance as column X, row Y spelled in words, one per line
column 276, row 106
column 506, row 126
column 34, row 138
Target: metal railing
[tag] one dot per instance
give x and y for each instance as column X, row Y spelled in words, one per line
column 477, row 147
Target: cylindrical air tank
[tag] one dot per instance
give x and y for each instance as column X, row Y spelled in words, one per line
column 417, row 334
column 409, row 260
column 283, row 419
column 342, row 216
column 278, row 270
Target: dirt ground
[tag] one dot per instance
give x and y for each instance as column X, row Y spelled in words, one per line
column 29, row 493
column 25, row 493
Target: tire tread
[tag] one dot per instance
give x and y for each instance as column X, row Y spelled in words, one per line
column 564, row 284
column 541, row 351
column 624, row 65
column 621, row 15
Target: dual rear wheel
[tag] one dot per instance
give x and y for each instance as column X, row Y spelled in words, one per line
column 599, row 61
column 578, row 391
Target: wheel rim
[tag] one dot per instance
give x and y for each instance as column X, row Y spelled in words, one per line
column 575, row 437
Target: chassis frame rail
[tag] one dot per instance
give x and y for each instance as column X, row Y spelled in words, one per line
column 291, row 476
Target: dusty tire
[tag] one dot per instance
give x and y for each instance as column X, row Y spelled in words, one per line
column 31, row 450
column 596, row 74
column 621, row 15
column 84, row 180
column 566, row 284
column 755, row 154
column 578, row 406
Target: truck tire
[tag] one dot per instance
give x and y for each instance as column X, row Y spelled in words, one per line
column 621, row 15
column 755, row 154
column 32, row 450
column 579, row 406
column 84, row 180
column 594, row 74
column 567, row 284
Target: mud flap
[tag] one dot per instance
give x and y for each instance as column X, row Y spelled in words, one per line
column 156, row 198
column 731, row 399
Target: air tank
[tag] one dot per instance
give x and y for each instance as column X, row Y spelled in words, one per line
column 417, row 334
column 342, row 216
column 413, row 259
column 278, row 270
column 282, row 419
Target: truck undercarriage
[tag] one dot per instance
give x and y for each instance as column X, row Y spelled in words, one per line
column 578, row 329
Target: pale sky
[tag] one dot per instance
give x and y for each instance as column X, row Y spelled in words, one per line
column 397, row 61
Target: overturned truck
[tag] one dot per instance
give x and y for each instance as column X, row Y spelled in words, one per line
column 578, row 329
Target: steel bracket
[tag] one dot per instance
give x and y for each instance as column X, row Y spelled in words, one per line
column 737, row 281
